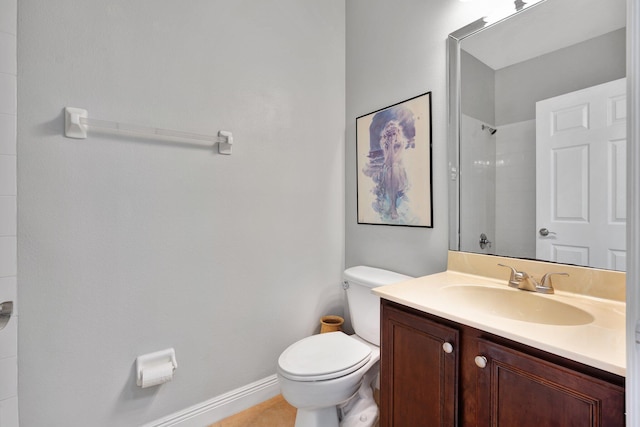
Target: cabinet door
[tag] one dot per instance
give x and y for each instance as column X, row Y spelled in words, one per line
column 418, row 372
column 515, row 389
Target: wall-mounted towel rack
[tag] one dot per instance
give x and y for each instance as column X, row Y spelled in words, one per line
column 77, row 121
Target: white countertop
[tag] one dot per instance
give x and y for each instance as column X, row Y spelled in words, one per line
column 599, row 343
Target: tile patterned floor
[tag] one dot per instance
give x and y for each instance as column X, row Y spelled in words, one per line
column 274, row 412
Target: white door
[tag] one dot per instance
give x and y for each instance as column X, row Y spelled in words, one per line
column 581, row 177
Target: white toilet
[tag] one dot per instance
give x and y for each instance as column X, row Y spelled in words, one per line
column 321, row 372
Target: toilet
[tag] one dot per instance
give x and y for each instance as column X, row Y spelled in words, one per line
column 325, row 374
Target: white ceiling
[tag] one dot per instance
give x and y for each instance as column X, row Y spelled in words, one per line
column 543, row 28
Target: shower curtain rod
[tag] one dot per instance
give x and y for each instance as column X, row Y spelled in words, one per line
column 77, row 121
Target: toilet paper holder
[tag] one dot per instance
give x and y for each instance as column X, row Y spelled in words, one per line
column 163, row 361
column 6, row 309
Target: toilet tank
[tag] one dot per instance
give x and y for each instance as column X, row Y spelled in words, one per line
column 364, row 306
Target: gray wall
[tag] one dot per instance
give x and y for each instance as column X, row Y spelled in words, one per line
column 592, row 62
column 8, row 217
column 508, row 95
column 396, row 50
column 128, row 245
column 477, row 89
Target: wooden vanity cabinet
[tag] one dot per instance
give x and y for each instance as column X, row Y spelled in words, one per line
column 516, row 389
column 418, row 370
column 424, row 385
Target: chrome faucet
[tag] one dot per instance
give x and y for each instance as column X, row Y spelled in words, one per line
column 521, row 280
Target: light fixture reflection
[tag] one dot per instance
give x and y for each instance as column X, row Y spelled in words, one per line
column 506, row 11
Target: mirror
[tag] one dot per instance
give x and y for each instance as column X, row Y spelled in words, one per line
column 537, row 109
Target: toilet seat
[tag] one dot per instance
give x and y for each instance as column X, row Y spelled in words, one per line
column 323, row 357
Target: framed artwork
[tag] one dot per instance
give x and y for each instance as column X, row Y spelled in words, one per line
column 394, row 164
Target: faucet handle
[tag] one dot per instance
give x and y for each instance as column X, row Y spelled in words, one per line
column 516, row 276
column 546, row 280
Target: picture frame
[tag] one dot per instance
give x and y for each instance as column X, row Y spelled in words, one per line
column 393, row 156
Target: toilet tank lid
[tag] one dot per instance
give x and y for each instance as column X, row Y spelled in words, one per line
column 373, row 277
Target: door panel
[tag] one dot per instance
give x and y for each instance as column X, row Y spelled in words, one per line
column 580, row 177
column 570, row 183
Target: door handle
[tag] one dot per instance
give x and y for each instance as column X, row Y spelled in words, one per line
column 6, row 308
column 545, row 232
column 484, row 241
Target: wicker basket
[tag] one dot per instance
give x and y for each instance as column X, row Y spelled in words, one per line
column 330, row 324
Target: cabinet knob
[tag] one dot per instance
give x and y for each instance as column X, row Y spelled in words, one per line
column 481, row 361
column 447, row 347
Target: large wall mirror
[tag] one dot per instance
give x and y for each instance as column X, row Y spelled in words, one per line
column 537, row 127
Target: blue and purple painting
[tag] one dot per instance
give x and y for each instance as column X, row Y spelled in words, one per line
column 394, row 165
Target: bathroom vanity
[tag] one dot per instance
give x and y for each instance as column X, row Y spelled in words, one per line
column 436, row 372
column 462, row 347
column 448, row 358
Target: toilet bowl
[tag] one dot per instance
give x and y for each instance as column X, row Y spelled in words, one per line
column 323, row 378
column 322, row 372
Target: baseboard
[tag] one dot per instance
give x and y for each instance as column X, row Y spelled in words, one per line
column 222, row 406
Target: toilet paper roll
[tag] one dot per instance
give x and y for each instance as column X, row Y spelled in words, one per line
column 155, row 375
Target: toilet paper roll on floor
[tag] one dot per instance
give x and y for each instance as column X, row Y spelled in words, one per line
column 155, row 375
column 365, row 412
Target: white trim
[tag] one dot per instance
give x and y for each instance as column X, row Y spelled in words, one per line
column 633, row 210
column 222, row 406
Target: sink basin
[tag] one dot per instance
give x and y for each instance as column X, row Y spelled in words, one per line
column 517, row 305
